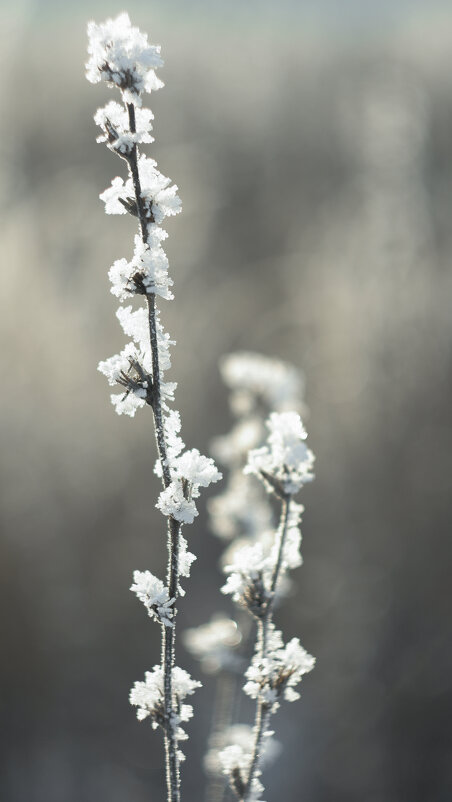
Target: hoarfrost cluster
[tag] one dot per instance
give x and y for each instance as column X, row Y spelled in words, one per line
column 149, row 698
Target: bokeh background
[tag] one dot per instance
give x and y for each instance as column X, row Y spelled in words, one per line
column 312, row 144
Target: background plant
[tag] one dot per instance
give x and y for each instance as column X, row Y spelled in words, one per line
column 257, row 560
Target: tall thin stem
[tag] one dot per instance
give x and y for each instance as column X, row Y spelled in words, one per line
column 168, row 633
column 263, row 708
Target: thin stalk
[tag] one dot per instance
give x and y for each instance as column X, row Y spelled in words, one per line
column 263, row 709
column 168, row 633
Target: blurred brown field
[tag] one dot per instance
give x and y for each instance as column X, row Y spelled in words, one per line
column 314, row 161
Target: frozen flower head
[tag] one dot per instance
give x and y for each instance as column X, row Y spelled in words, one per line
column 235, row 761
column 189, row 472
column 114, row 121
column 121, row 55
column 148, row 697
column 285, row 463
column 152, row 592
column 254, row 378
column 275, row 676
column 195, row 469
column 240, row 736
column 130, row 369
column 145, row 274
column 213, row 643
column 159, row 196
column 249, row 579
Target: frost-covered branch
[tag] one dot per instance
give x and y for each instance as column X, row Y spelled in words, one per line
column 259, row 557
column 121, row 56
column 283, row 465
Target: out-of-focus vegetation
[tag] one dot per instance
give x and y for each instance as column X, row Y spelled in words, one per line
column 316, row 176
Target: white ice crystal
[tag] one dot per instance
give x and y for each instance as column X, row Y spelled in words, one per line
column 115, row 365
column 174, row 443
column 146, row 273
column 235, row 761
column 161, row 199
column 285, row 462
column 127, row 403
column 197, row 470
column 120, row 369
column 148, row 696
column 121, row 55
column 241, row 735
column 173, row 503
column 235, row 756
column 184, row 562
column 279, row 671
column 114, row 120
column 154, row 595
column 164, row 343
column 135, row 324
column 212, row 643
column 250, row 565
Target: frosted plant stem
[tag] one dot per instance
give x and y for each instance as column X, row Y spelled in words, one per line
column 285, row 508
column 263, row 709
column 168, row 633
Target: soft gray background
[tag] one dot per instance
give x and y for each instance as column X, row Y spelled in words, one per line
column 312, row 144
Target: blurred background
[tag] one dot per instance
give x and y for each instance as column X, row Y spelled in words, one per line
column 312, row 145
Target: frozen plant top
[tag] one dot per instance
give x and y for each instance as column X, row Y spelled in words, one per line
column 122, row 56
column 241, row 736
column 285, row 463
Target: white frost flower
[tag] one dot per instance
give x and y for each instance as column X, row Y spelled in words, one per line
column 276, row 674
column 241, row 735
column 111, row 195
column 173, row 503
column 160, row 199
column 127, row 403
column 184, row 562
column 135, row 324
column 152, row 592
column 197, row 470
column 174, row 443
column 121, row 55
column 249, row 578
column 148, row 697
column 130, row 369
column 164, row 342
column 235, row 756
column 285, row 463
column 145, row 274
column 114, row 120
column 235, row 761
